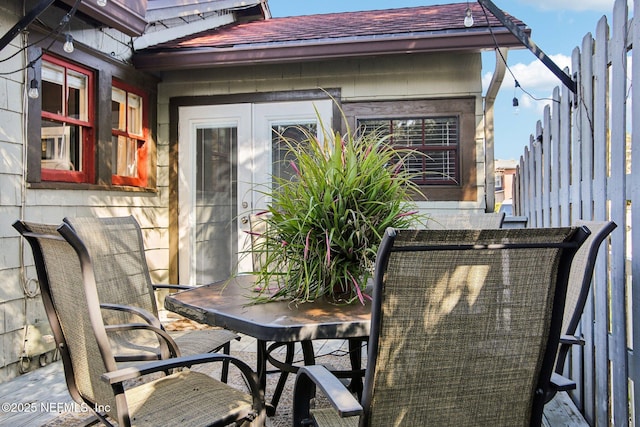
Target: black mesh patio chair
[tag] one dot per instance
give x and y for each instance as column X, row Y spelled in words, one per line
column 116, row 247
column 580, row 277
column 176, row 395
column 465, row 221
column 464, row 331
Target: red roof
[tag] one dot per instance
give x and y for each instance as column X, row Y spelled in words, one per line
column 333, row 35
column 388, row 22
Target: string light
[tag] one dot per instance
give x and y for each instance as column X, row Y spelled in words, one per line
column 515, row 102
column 68, row 44
column 468, row 18
column 33, row 92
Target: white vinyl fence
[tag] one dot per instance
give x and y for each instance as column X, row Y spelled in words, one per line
column 584, row 162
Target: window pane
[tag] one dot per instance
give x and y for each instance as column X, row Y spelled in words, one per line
column 434, row 139
column 118, row 103
column 440, row 167
column 77, row 92
column 407, row 132
column 52, row 88
column 441, row 132
column 61, row 146
column 52, row 73
column 214, row 159
column 280, row 149
column 126, row 156
column 135, row 114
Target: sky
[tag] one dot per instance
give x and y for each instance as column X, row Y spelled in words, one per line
column 557, row 27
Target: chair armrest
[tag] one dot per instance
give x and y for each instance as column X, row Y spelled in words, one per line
column 168, row 347
column 115, row 378
column 171, row 286
column 140, row 312
column 561, row 383
column 571, row 340
column 339, row 396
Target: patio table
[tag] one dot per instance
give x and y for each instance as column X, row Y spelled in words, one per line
column 229, row 304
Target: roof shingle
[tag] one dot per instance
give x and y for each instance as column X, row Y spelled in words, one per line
column 331, row 26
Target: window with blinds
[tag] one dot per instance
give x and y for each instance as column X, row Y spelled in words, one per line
column 434, row 142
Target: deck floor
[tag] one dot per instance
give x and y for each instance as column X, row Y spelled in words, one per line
column 40, row 396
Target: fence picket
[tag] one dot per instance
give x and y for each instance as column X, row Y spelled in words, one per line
column 545, row 142
column 599, row 287
column 555, row 159
column 634, row 264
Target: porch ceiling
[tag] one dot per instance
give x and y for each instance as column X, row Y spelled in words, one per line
column 330, row 36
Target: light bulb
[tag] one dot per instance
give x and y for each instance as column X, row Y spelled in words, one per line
column 102, row 3
column 33, row 92
column 468, row 18
column 68, row 44
column 516, row 106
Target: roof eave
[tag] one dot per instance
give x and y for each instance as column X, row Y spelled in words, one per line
column 127, row 16
column 192, row 58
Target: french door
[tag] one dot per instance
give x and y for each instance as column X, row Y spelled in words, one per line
column 227, row 156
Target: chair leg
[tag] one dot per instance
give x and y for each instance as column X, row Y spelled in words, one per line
column 355, row 355
column 224, row 375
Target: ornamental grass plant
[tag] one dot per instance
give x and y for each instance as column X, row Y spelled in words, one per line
column 324, row 225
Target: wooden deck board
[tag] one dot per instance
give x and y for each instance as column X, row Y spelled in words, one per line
column 561, row 411
column 34, row 398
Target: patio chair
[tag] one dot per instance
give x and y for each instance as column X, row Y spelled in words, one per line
column 178, row 397
column 465, row 221
column 577, row 292
column 463, row 331
column 116, row 247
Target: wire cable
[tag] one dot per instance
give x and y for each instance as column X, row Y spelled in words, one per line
column 497, row 45
column 64, row 22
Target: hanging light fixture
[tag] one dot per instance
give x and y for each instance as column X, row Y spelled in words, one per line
column 468, row 17
column 33, row 92
column 515, row 102
column 68, row 44
column 102, row 3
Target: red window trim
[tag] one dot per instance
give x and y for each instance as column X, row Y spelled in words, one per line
column 143, row 151
column 88, row 143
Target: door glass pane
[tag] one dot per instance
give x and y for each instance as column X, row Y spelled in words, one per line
column 216, row 211
column 282, row 156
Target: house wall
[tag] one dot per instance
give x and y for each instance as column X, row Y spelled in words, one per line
column 20, row 303
column 12, row 301
column 416, row 76
column 436, row 76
